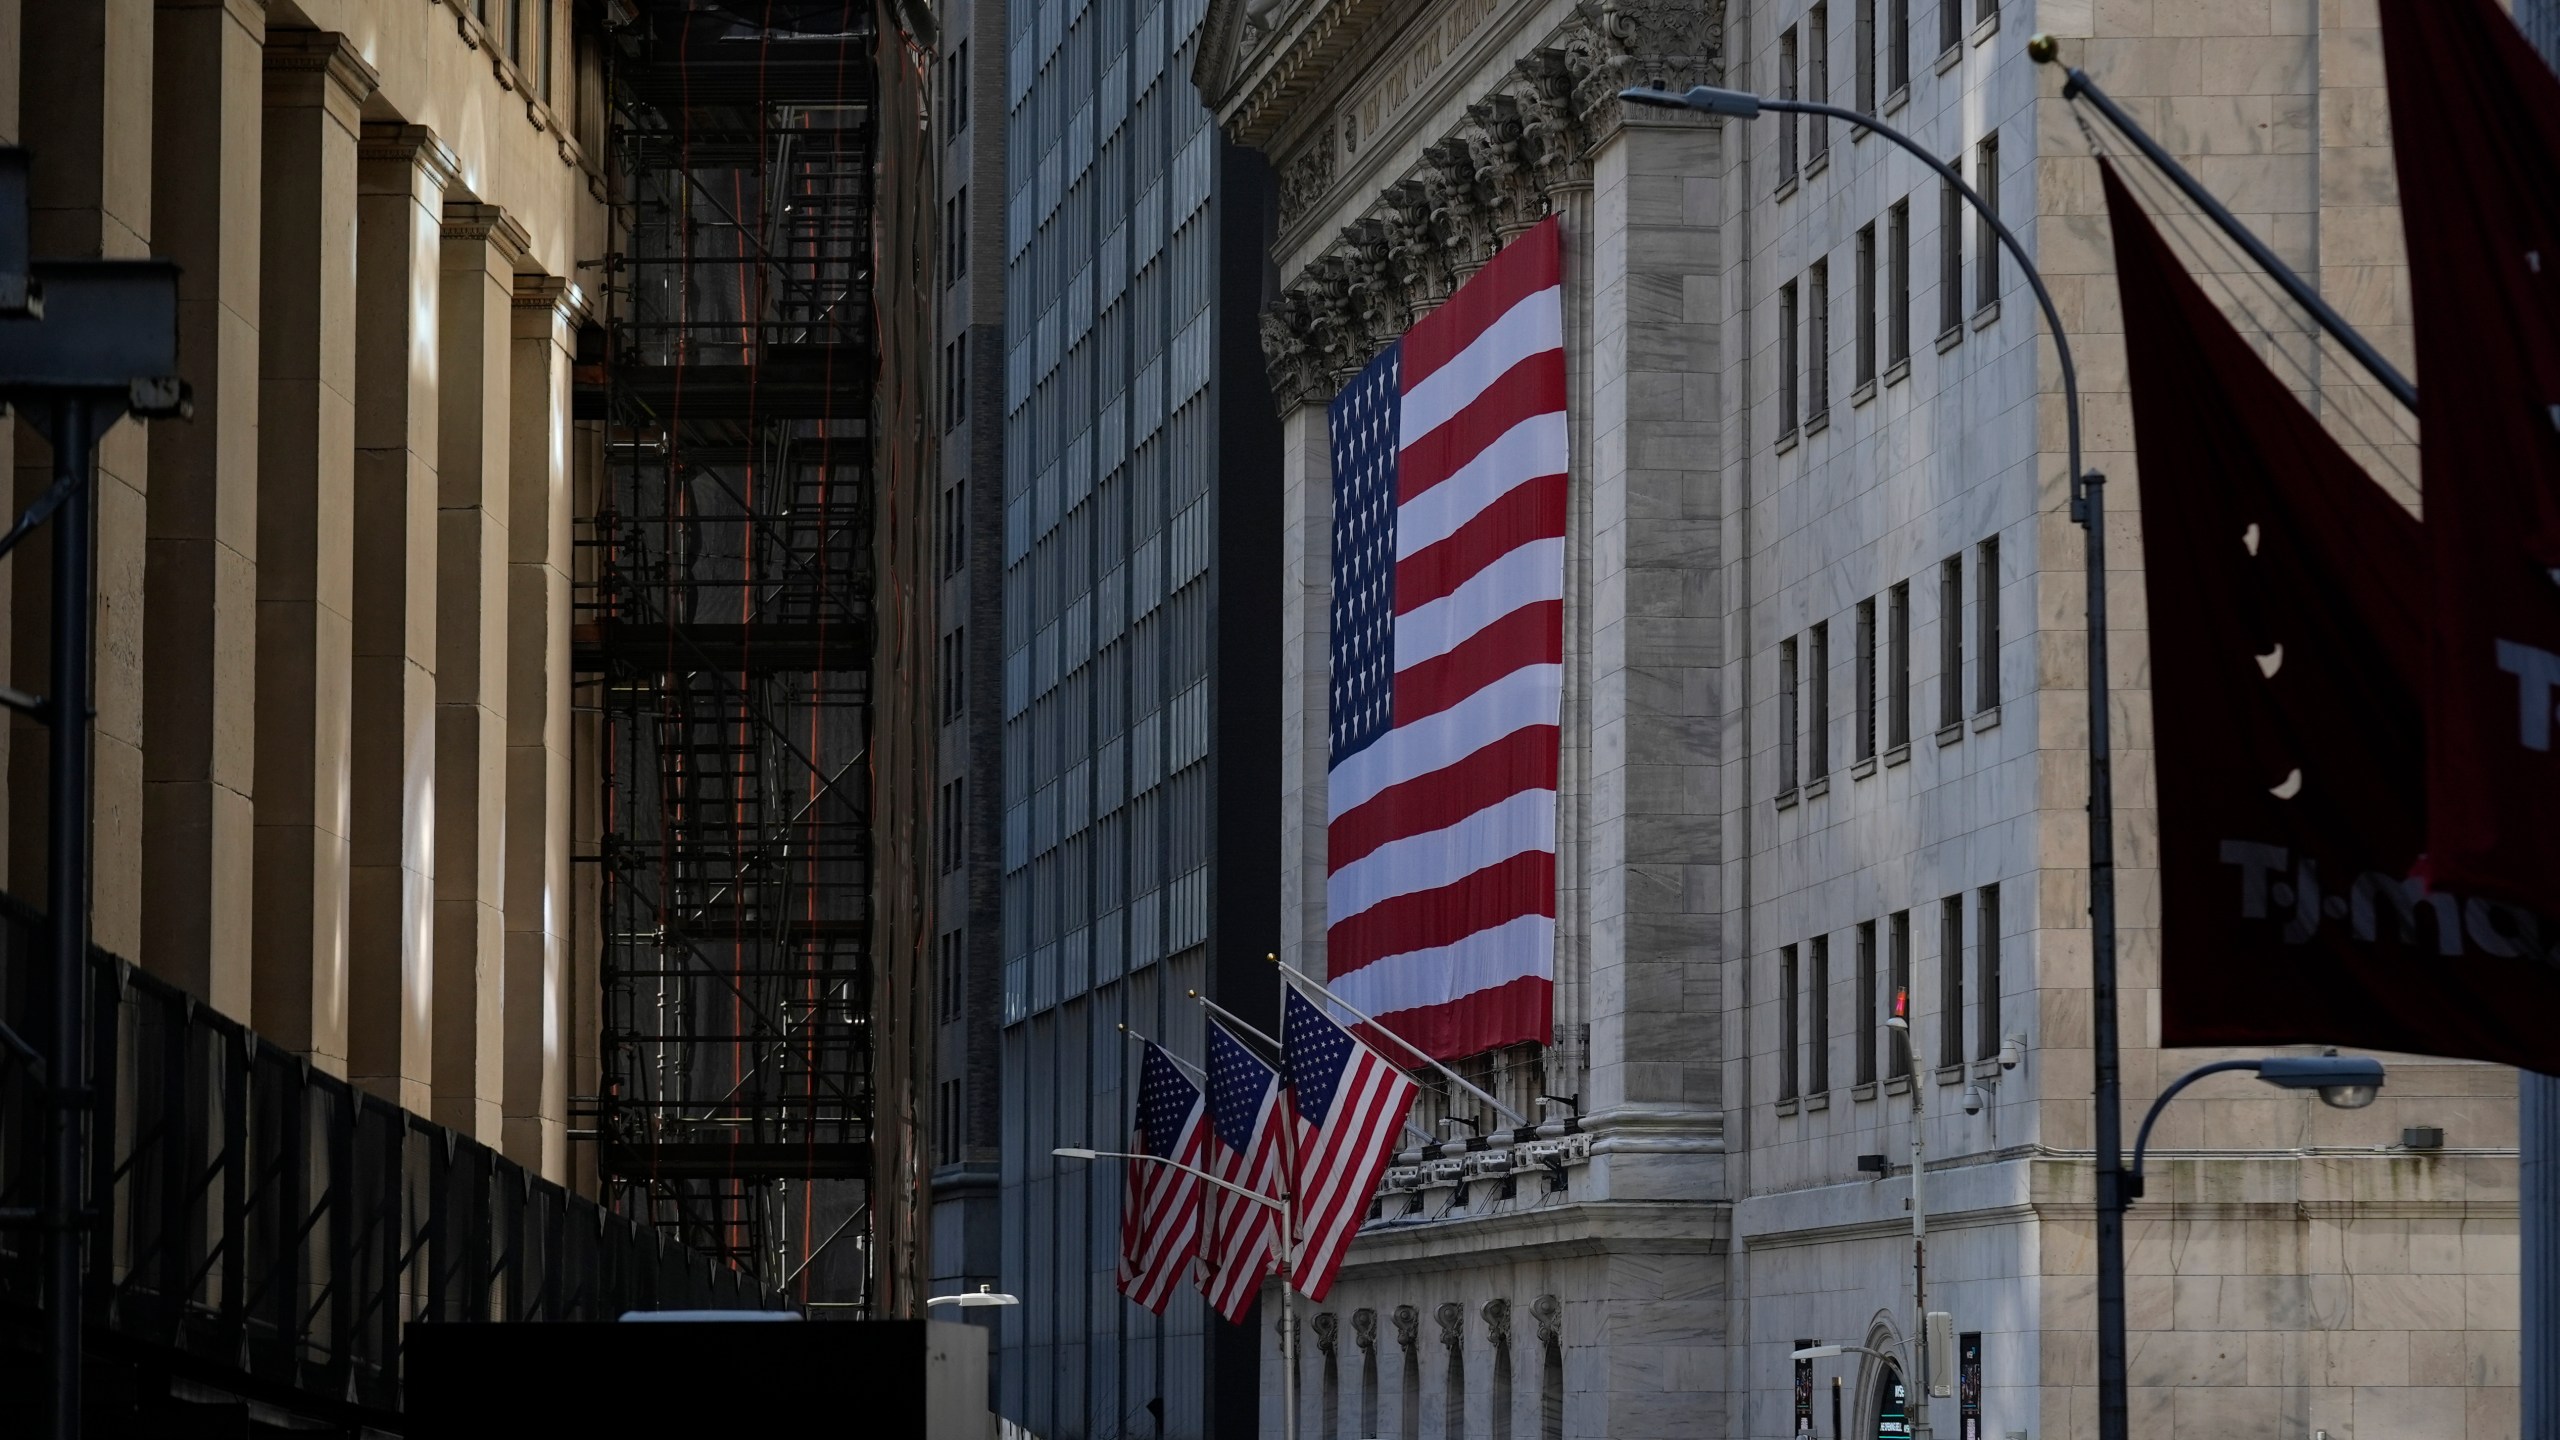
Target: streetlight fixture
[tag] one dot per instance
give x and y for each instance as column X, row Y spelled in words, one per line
column 2345, row 1082
column 973, row 1299
column 2088, row 510
column 1288, row 1333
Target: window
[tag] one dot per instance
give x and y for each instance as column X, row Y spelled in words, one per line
column 1817, row 78
column 956, row 685
column 1864, row 68
column 1818, row 1029
column 1867, row 679
column 1951, row 642
column 1951, row 980
column 955, row 527
column 1818, row 343
column 1868, row 1031
column 1986, row 241
column 542, row 56
column 1818, row 717
column 955, row 91
column 1986, row 625
column 1897, row 332
column 1897, row 701
column 1787, row 1022
column 960, row 379
column 960, row 246
column 1950, row 23
column 1867, row 305
column 1985, row 10
column 1787, row 380
column 515, row 32
column 1898, row 980
column 1897, row 46
column 1950, row 258
column 1787, row 717
column 1986, row 976
column 1787, row 122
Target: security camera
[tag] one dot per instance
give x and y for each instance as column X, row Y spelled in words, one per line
column 1973, row 1099
column 2012, row 1051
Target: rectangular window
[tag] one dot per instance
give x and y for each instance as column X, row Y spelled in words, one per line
column 1984, row 10
column 1897, row 323
column 1817, row 77
column 1897, row 699
column 960, row 379
column 1787, row 122
column 959, row 673
column 1950, row 258
column 1818, row 1025
column 1986, row 242
column 1787, row 378
column 1865, row 66
column 1787, row 1022
column 1867, row 304
column 1898, row 981
column 515, row 32
column 1951, row 641
column 1867, row 679
column 1817, row 339
column 1950, row 24
column 1897, row 46
column 960, row 252
column 1951, row 980
column 1986, row 977
column 1787, row 717
column 1818, row 713
column 960, row 90
column 1868, row 1032
column 950, row 238
column 542, row 80
column 1986, row 624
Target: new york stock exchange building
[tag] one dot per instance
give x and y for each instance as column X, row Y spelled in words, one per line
column 1818, row 757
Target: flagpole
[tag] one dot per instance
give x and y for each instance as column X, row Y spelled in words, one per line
column 1198, row 1075
column 1233, row 1019
column 1461, row 1081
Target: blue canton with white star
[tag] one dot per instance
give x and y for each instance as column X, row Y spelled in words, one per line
column 1238, row 1082
column 1367, row 418
column 1165, row 1098
column 1315, row 1051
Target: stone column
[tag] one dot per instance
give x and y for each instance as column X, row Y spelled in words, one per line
column 547, row 313
column 88, row 131
column 316, row 84
column 1654, row 800
column 473, row 452
column 200, row 640
column 401, row 175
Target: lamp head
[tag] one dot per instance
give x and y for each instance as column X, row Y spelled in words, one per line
column 1075, row 1152
column 2345, row 1082
column 1814, row 1352
column 1707, row 99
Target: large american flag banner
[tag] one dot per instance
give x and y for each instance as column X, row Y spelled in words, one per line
column 1160, row 1206
column 1449, row 460
column 1347, row 1107
column 1244, row 1149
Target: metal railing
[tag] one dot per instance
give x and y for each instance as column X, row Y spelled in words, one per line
column 272, row 1229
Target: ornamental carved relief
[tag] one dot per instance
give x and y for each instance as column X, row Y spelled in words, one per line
column 1453, row 1325
column 1364, row 1328
column 1328, row 1329
column 1497, row 1323
column 1523, row 147
column 1550, row 1317
column 1408, row 1323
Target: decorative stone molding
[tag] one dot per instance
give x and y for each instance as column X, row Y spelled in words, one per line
column 1459, row 211
column 1506, row 174
column 1305, row 179
column 1364, row 1328
column 1551, row 118
column 1550, row 1317
column 1290, row 354
column 1497, row 1322
column 1453, row 1325
column 1328, row 1329
column 1668, row 44
column 1408, row 1327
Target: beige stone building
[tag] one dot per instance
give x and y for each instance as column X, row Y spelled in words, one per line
column 334, row 758
column 1823, row 734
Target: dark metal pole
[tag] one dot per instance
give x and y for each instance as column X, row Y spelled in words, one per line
column 67, row 905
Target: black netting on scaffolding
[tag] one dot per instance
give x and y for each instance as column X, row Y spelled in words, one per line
column 726, row 625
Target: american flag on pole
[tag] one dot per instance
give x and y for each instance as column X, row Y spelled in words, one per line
column 1347, row 1106
column 1244, row 1149
column 1448, row 647
column 1160, row 1206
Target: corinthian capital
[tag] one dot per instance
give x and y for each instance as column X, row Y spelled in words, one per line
column 1506, row 171
column 1289, row 352
column 1459, row 211
column 1551, row 128
column 1669, row 44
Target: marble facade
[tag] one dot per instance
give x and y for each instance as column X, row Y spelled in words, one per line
column 1726, row 847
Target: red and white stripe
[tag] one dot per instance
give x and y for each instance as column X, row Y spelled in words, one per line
column 1340, row 1162
column 1243, row 1235
column 1160, row 1217
column 1441, row 887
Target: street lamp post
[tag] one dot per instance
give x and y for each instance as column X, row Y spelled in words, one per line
column 1288, row 1334
column 2345, row 1082
column 2089, row 511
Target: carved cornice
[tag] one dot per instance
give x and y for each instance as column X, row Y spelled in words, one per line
column 1524, row 146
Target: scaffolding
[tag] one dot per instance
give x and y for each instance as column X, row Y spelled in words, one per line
column 726, row 629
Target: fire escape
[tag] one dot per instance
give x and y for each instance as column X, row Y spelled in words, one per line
column 725, row 626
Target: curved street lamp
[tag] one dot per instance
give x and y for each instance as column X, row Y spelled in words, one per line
column 974, row 1299
column 2345, row 1082
column 2088, row 510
